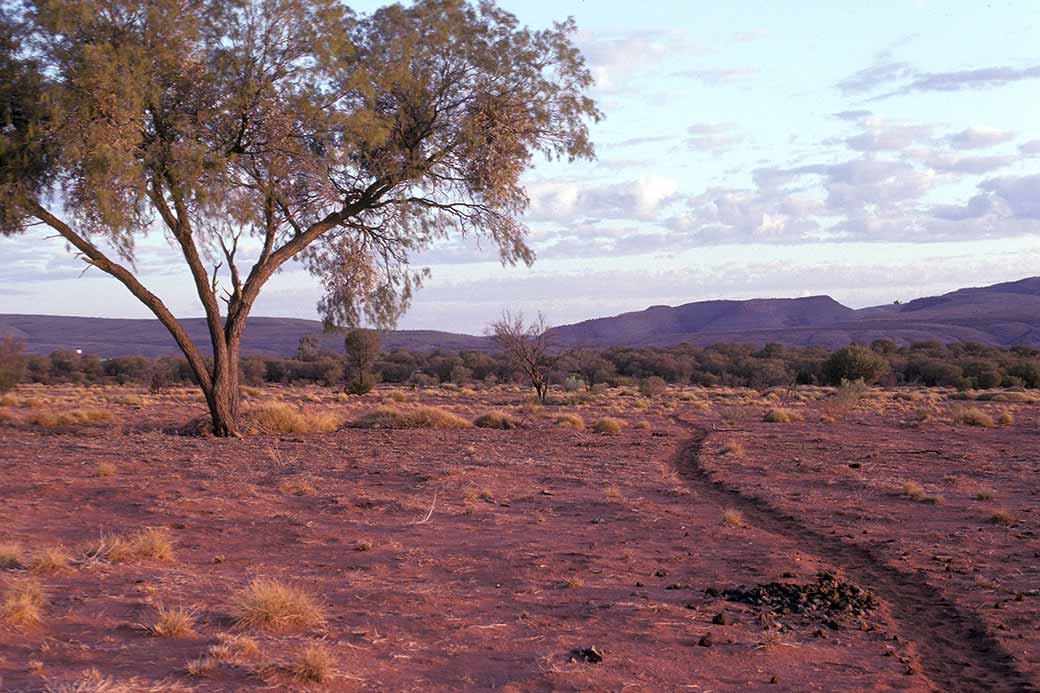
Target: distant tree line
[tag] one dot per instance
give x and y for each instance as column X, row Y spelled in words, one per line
column 959, row 365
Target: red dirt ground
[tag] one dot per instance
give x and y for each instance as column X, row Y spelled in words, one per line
column 481, row 559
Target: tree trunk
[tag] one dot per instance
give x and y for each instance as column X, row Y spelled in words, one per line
column 223, row 397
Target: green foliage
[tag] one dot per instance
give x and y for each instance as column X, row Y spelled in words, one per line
column 353, row 140
column 854, row 362
column 12, row 364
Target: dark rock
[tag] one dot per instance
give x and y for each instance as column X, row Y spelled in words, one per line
column 592, row 655
column 721, row 619
column 706, row 641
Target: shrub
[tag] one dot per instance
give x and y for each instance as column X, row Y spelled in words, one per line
column 572, row 421
column 854, row 362
column 268, row 603
column 418, row 417
column 495, row 419
column 279, row 417
column 608, row 426
column 732, row 518
column 971, row 416
column 780, row 415
column 652, row 386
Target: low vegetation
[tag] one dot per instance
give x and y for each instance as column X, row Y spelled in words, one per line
column 268, row 603
column 22, row 603
column 973, row 416
column 608, row 425
column 314, row 663
column 415, row 417
column 780, row 415
column 495, row 419
column 174, row 623
column 279, row 417
column 151, row 543
column 572, row 421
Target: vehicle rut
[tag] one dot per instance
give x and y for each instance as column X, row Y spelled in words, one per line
column 957, row 652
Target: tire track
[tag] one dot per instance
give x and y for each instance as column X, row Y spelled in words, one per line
column 957, row 652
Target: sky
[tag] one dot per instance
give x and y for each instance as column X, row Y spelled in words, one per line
column 749, row 149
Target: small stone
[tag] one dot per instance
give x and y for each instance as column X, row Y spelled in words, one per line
column 706, row 641
column 774, row 679
column 721, row 619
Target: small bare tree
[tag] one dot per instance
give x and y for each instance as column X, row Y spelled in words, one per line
column 528, row 347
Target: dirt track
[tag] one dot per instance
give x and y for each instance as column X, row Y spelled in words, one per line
column 954, row 648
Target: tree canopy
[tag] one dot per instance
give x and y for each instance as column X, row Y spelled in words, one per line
column 267, row 130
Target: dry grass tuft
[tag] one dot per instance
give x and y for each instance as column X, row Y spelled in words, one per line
column 268, row 603
column 11, row 557
column 915, row 492
column 732, row 517
column 47, row 418
column 105, row 470
column 23, row 602
column 314, row 663
column 734, row 448
column 150, row 543
column 418, row 417
column 1006, row 418
column 232, row 647
column 201, row 667
column 1003, row 518
column 642, row 426
column 572, row 421
column 174, row 623
column 972, row 416
column 54, row 559
column 781, row 415
column 608, row 426
column 299, row 486
column 279, row 417
column 495, row 419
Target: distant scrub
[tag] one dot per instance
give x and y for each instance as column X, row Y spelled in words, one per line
column 966, row 366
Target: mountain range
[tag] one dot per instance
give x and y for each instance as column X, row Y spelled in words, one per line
column 1002, row 314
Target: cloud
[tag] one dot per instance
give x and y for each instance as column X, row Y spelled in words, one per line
column 718, row 76
column 979, row 138
column 880, row 135
column 947, row 162
column 613, row 60
column 638, row 199
column 1030, row 148
column 713, row 137
column 981, row 78
column 872, row 77
column 858, row 114
column 1020, row 194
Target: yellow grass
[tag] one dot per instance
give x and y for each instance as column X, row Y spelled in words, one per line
column 23, row 602
column 608, row 425
column 314, row 663
column 972, row 416
column 417, row 417
column 151, row 543
column 53, row 559
column 174, row 623
column 10, row 556
column 780, row 415
column 268, row 603
column 573, row 421
column 732, row 518
column 495, row 419
column 278, row 417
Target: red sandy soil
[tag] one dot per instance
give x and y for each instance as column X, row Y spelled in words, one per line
column 481, row 559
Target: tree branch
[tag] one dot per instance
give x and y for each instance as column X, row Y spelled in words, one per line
column 98, row 259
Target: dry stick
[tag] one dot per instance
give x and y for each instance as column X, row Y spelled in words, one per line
column 430, row 513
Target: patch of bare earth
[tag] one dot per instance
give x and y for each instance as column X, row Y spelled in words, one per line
column 535, row 558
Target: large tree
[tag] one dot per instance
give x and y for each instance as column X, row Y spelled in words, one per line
column 253, row 132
